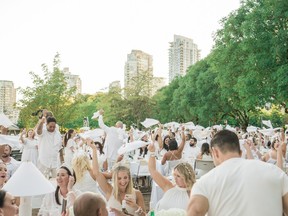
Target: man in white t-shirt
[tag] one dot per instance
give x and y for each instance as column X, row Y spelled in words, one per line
column 238, row 186
column 50, row 143
column 191, row 150
column 114, row 139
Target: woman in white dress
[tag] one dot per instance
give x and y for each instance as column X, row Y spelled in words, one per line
column 69, row 146
column 30, row 146
column 175, row 195
column 63, row 198
column 86, row 180
column 121, row 192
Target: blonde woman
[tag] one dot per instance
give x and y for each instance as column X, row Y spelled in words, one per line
column 122, row 191
column 175, row 195
column 86, row 179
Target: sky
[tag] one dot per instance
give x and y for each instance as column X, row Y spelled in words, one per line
column 93, row 37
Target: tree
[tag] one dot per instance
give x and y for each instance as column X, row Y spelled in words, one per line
column 50, row 92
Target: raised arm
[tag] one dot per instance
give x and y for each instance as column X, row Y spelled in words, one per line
column 39, row 128
column 182, row 144
column 102, row 181
column 279, row 162
column 101, row 122
column 21, row 136
column 249, row 154
column 160, row 141
column 163, row 182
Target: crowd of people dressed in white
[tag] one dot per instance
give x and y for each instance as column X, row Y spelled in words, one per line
column 248, row 179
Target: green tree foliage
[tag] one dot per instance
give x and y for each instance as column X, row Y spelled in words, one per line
column 50, row 92
column 246, row 69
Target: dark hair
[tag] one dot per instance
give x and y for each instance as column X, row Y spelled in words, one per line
column 205, row 149
column 269, row 144
column 273, row 143
column 166, row 147
column 145, row 150
column 195, row 140
column 58, row 188
column 67, row 136
column 174, row 134
column 51, row 119
column 173, row 145
column 2, row 198
column 100, row 147
column 189, row 136
column 226, row 141
column 157, row 137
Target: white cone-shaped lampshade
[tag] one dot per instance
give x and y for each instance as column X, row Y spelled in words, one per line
column 28, row 181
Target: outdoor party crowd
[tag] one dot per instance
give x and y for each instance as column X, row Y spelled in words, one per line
column 103, row 171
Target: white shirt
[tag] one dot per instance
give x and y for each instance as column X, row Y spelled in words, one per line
column 49, row 146
column 243, row 187
column 12, row 166
column 114, row 139
column 190, row 152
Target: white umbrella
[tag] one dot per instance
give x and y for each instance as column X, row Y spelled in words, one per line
column 5, row 121
column 149, row 122
column 128, row 147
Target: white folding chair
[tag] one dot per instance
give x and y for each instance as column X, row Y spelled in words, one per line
column 170, row 166
column 201, row 167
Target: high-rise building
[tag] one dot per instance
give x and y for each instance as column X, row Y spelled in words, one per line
column 7, row 99
column 73, row 80
column 138, row 63
column 158, row 83
column 183, row 52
